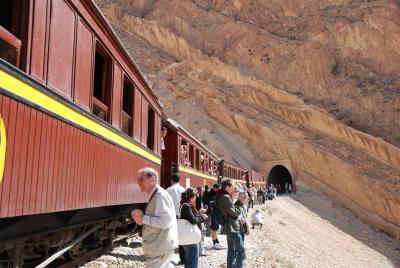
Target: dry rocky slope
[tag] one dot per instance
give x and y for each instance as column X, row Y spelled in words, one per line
column 313, row 81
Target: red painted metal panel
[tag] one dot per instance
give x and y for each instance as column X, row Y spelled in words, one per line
column 52, row 166
column 38, row 46
column 137, row 115
column 29, row 162
column 68, row 160
column 67, row 167
column 47, row 178
column 61, row 167
column 9, row 115
column 77, row 189
column 83, row 68
column 105, row 37
column 62, row 34
column 16, row 177
column 36, row 158
column 90, row 170
column 116, row 96
column 87, row 170
column 145, row 107
column 52, row 183
column 42, row 163
column 74, row 193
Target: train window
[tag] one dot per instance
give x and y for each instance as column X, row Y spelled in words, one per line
column 10, row 44
column 197, row 162
column 202, row 162
column 101, row 86
column 150, row 129
column 6, row 12
column 206, row 164
column 191, row 154
column 127, row 107
column 184, row 153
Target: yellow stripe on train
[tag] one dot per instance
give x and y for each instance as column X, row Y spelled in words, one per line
column 39, row 98
column 197, row 173
column 3, row 145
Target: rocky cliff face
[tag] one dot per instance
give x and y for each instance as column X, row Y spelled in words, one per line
column 313, row 81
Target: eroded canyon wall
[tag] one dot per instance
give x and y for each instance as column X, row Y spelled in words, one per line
column 316, row 82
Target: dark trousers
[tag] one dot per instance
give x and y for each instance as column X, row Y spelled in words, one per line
column 251, row 203
column 182, row 254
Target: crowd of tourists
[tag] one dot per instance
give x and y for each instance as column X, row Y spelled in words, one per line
column 180, row 218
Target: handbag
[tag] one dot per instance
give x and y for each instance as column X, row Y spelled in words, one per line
column 188, row 234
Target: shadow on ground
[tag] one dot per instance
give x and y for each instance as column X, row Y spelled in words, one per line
column 349, row 223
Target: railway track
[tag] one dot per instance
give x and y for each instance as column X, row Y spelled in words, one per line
column 79, row 250
column 87, row 256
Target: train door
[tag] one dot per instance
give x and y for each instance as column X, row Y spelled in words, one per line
column 169, row 155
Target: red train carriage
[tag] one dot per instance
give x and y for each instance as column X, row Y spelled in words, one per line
column 256, row 179
column 196, row 164
column 77, row 121
column 236, row 173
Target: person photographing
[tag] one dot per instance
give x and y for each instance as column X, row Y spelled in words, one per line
column 232, row 225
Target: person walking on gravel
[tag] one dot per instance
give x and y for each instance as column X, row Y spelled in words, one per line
column 236, row 253
column 160, row 232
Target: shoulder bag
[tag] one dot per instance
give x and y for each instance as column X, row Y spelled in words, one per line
column 188, row 234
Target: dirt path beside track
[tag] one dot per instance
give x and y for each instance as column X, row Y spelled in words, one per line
column 306, row 230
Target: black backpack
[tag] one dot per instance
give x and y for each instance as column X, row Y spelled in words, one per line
column 216, row 213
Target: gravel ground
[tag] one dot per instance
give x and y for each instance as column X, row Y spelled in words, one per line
column 305, row 230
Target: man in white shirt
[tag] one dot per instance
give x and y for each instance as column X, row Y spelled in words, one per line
column 175, row 191
column 160, row 232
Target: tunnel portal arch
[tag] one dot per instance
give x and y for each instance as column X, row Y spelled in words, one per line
column 280, row 176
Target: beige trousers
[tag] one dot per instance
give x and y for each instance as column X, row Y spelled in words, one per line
column 163, row 261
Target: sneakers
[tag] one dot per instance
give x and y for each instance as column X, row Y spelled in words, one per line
column 217, row 246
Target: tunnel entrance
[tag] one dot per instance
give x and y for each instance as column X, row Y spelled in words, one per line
column 281, row 178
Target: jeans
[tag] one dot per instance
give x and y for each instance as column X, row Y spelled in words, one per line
column 236, row 254
column 182, row 254
column 192, row 256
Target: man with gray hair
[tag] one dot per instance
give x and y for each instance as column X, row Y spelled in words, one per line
column 160, row 233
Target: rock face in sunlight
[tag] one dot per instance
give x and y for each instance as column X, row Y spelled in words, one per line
column 316, row 82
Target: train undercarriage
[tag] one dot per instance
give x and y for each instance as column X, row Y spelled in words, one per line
column 65, row 237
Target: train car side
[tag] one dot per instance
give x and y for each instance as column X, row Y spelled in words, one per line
column 234, row 172
column 59, row 159
column 77, row 121
column 197, row 165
